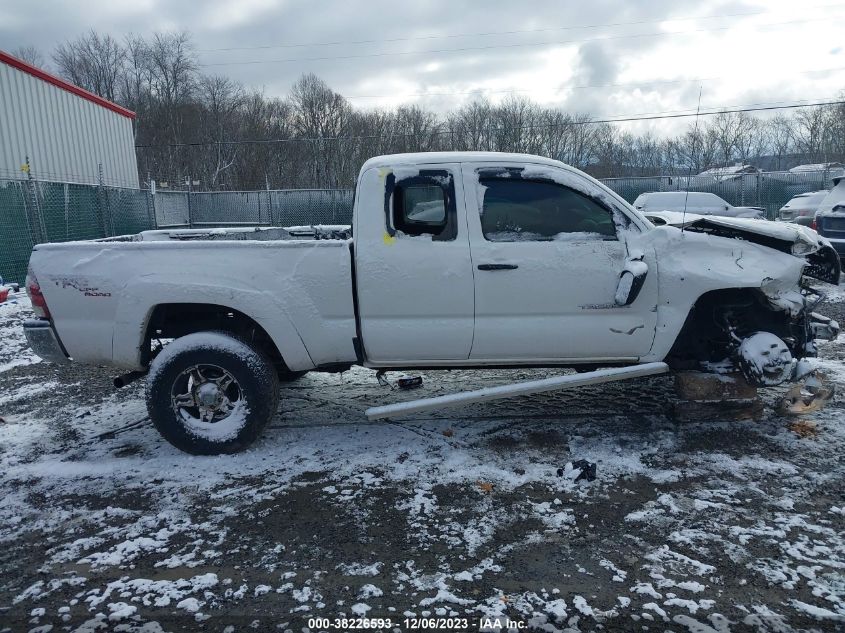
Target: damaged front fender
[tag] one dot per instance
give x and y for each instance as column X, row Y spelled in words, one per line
column 793, row 239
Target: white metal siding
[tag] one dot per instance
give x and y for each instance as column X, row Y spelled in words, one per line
column 65, row 136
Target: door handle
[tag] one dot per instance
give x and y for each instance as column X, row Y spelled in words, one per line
column 497, row 267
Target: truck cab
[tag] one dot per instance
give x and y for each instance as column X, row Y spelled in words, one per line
column 478, row 258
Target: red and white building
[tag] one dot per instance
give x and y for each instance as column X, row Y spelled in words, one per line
column 68, row 134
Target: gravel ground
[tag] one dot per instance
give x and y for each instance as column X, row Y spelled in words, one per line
column 468, row 514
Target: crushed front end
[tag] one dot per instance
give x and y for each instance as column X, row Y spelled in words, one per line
column 766, row 334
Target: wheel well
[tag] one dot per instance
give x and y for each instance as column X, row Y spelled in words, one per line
column 172, row 320
column 705, row 335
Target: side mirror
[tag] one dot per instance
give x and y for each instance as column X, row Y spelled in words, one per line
column 631, row 281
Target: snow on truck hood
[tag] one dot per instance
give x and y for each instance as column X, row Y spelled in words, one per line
column 795, row 239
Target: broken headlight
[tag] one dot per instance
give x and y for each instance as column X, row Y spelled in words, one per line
column 802, row 248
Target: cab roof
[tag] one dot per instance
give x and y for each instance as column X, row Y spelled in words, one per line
column 419, row 158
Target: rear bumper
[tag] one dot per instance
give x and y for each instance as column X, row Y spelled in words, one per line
column 44, row 341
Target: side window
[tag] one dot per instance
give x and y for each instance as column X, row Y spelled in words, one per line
column 516, row 210
column 419, row 209
column 423, row 204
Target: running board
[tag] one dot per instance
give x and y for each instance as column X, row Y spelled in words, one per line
column 518, row 389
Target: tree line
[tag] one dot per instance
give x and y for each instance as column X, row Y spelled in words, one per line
column 191, row 126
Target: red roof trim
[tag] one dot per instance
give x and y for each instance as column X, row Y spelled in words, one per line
column 14, row 62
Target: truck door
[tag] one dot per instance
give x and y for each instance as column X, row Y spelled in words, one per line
column 412, row 265
column 547, row 259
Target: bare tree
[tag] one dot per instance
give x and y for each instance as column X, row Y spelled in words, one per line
column 810, row 133
column 694, row 151
column 30, row 55
column 581, row 148
column 210, row 128
column 221, row 99
column 471, row 127
column 320, row 115
column 418, row 129
column 93, row 62
column 135, row 81
column 172, row 76
column 648, row 155
column 780, row 134
column 516, row 126
column 733, row 134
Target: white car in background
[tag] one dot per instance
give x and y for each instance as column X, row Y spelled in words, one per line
column 829, row 220
column 802, row 208
column 698, row 202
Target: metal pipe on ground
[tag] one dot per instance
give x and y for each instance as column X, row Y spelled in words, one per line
column 518, row 389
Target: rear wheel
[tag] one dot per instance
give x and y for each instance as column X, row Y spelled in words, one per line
column 210, row 393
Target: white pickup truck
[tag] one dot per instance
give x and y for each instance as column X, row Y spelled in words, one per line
column 454, row 260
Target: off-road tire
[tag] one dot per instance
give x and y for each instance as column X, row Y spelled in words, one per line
column 256, row 381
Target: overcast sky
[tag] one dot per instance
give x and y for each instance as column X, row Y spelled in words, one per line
column 602, row 57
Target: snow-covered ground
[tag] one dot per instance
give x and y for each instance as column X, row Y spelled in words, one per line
column 13, row 349
column 470, row 513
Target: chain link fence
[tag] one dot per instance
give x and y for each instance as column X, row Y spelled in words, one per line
column 33, row 211
column 284, row 207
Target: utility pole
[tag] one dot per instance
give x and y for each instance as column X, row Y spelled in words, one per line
column 190, row 211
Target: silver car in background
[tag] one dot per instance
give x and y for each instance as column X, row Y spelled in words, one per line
column 698, row 202
column 802, row 208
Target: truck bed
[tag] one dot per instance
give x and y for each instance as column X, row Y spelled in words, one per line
column 295, row 283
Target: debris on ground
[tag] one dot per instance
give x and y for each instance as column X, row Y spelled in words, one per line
column 803, row 428
column 4, row 294
column 805, row 397
column 484, row 486
column 404, row 382
column 448, row 432
column 578, row 470
column 410, row 382
column 382, row 379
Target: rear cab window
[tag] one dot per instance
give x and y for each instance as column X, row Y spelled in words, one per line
column 420, row 204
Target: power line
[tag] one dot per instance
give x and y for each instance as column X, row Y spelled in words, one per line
column 582, row 87
column 492, row 33
column 714, row 109
column 499, row 46
column 614, row 119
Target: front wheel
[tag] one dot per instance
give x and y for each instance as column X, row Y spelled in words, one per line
column 210, row 393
